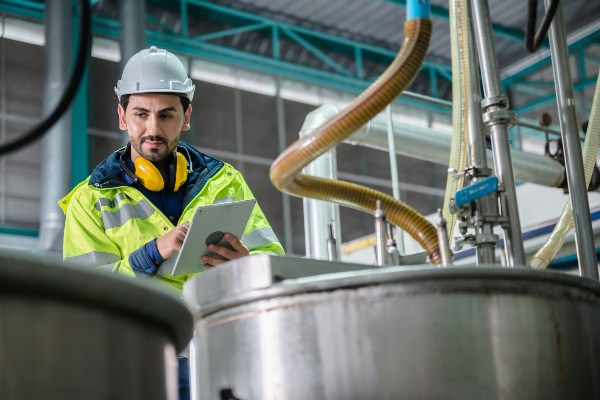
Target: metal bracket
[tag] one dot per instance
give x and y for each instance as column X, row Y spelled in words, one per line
column 475, row 240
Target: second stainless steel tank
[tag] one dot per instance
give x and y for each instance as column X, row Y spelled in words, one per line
column 73, row 333
column 265, row 332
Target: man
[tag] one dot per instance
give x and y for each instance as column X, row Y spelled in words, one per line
column 133, row 212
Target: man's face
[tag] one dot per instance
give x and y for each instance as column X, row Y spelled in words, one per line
column 154, row 123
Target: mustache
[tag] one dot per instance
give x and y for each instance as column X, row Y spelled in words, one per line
column 153, row 139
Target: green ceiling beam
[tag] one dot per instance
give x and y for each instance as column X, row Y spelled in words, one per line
column 544, row 101
column 27, row 9
column 316, row 43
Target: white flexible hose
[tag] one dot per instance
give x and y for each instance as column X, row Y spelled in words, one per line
column 459, row 45
column 548, row 251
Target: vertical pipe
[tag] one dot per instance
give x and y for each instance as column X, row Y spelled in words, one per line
column 443, row 240
column 80, row 154
column 56, row 145
column 496, row 104
column 394, row 173
column 239, row 125
column 486, row 252
column 380, row 235
column 3, row 171
column 331, row 244
column 581, row 75
column 132, row 24
column 318, row 214
column 476, row 132
column 584, row 238
column 287, row 207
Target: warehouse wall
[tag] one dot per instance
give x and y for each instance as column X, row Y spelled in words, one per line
column 239, row 126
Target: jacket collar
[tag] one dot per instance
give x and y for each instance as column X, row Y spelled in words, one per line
column 109, row 172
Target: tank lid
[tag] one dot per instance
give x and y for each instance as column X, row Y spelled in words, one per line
column 260, row 271
column 260, row 277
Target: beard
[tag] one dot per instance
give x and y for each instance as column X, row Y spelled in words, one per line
column 154, row 155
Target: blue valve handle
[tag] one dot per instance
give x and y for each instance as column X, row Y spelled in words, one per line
column 473, row 192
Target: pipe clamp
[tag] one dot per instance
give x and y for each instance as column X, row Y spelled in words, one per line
column 505, row 117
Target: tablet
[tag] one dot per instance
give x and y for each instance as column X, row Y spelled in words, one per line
column 207, row 227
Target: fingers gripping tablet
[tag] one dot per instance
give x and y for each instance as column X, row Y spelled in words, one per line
column 217, row 238
column 209, row 225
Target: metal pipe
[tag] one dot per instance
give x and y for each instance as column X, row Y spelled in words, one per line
column 486, row 207
column 331, row 244
column 394, row 173
column 281, row 138
column 584, row 239
column 318, row 214
column 132, row 25
column 430, row 145
column 448, row 104
column 524, row 64
column 56, row 145
column 391, row 248
column 476, row 131
column 380, row 235
column 495, row 107
column 239, row 126
column 443, row 239
column 3, row 135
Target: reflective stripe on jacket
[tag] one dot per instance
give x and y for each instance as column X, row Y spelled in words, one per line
column 108, row 220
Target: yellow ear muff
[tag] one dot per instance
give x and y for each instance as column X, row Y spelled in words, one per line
column 181, row 171
column 150, row 176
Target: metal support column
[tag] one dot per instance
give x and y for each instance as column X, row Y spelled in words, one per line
column 318, row 214
column 584, row 238
column 3, row 134
column 132, row 25
column 396, row 231
column 56, row 145
column 498, row 119
column 287, row 207
column 486, row 212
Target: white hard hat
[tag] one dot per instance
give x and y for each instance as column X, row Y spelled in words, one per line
column 155, row 70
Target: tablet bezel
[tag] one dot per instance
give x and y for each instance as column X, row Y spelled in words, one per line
column 231, row 217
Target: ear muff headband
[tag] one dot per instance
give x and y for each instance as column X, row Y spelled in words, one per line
column 154, row 179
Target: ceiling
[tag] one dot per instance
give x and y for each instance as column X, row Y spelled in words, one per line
column 346, row 44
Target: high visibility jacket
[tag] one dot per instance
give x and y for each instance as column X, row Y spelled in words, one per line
column 107, row 220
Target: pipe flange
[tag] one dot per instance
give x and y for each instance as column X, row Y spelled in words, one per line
column 480, row 220
column 487, row 239
column 505, row 117
column 500, row 100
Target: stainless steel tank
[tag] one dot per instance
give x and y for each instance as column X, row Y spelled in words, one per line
column 263, row 331
column 72, row 333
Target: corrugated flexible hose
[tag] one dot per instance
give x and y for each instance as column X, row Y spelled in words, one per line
column 286, row 171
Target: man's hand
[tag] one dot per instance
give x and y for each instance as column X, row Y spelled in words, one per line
column 171, row 242
column 237, row 250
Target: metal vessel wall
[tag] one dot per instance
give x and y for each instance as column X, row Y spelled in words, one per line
column 72, row 333
column 431, row 334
